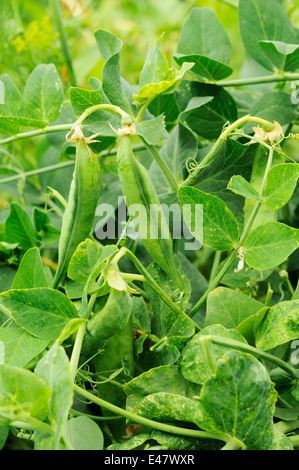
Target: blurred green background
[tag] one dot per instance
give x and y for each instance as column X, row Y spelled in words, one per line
column 29, row 36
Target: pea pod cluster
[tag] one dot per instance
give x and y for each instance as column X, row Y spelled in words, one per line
column 138, row 188
column 109, row 321
column 82, row 202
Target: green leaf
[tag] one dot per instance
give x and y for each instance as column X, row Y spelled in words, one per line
column 12, row 124
column 117, row 90
column 156, row 68
column 43, row 93
column 30, row 273
column 240, row 185
column 19, row 228
column 208, row 120
column 151, row 90
column 98, row 121
column 153, row 130
column 161, row 379
column 274, row 106
column 269, row 245
column 43, row 312
column 279, row 325
column 13, row 105
column 284, row 57
column 259, row 21
column 229, row 307
column 220, row 229
column 245, row 400
column 203, row 34
column 204, row 67
column 281, row 183
column 168, row 407
column 83, row 260
column 4, row 430
column 21, row 394
column 54, row 370
column 84, row 434
column 40, row 219
column 195, row 366
column 20, row 346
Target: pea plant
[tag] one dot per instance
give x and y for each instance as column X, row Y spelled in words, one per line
column 149, row 264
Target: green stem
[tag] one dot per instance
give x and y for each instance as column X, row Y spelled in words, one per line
column 231, row 446
column 58, row 166
column 256, row 352
column 37, row 132
column 95, row 418
column 269, row 296
column 215, row 266
column 148, row 422
column 287, row 426
column 242, row 240
column 166, row 171
column 192, row 178
column 58, row 20
column 98, row 107
column 33, row 424
column 286, row 77
column 294, row 440
column 143, row 109
column 155, row 286
column 74, row 361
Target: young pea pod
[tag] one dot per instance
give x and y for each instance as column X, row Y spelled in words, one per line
column 82, row 202
column 138, row 188
column 109, row 321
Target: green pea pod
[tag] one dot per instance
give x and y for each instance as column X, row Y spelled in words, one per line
column 82, row 202
column 118, row 353
column 109, row 321
column 138, row 188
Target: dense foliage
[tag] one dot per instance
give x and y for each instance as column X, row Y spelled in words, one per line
column 176, row 327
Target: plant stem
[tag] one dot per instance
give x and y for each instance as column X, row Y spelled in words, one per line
column 58, row 166
column 37, row 132
column 74, row 361
column 58, row 20
column 231, row 446
column 294, row 440
column 148, row 422
column 167, row 173
column 287, row 426
column 242, row 240
column 153, row 284
column 216, row 261
column 286, row 77
column 143, row 109
column 32, row 424
column 256, row 352
column 98, row 107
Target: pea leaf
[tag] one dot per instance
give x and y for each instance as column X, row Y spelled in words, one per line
column 20, row 346
column 21, row 393
column 151, row 90
column 54, row 370
column 281, row 183
column 229, row 307
column 274, row 106
column 43, row 312
column 208, row 120
column 284, row 57
column 246, row 407
column 204, row 41
column 269, row 245
column 30, row 273
column 84, row 434
column 169, row 407
column 260, row 21
column 12, row 124
column 152, row 130
column 241, row 186
column 279, row 325
column 194, row 365
column 220, row 229
column 43, row 93
column 19, row 228
column 117, row 90
column 97, row 122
